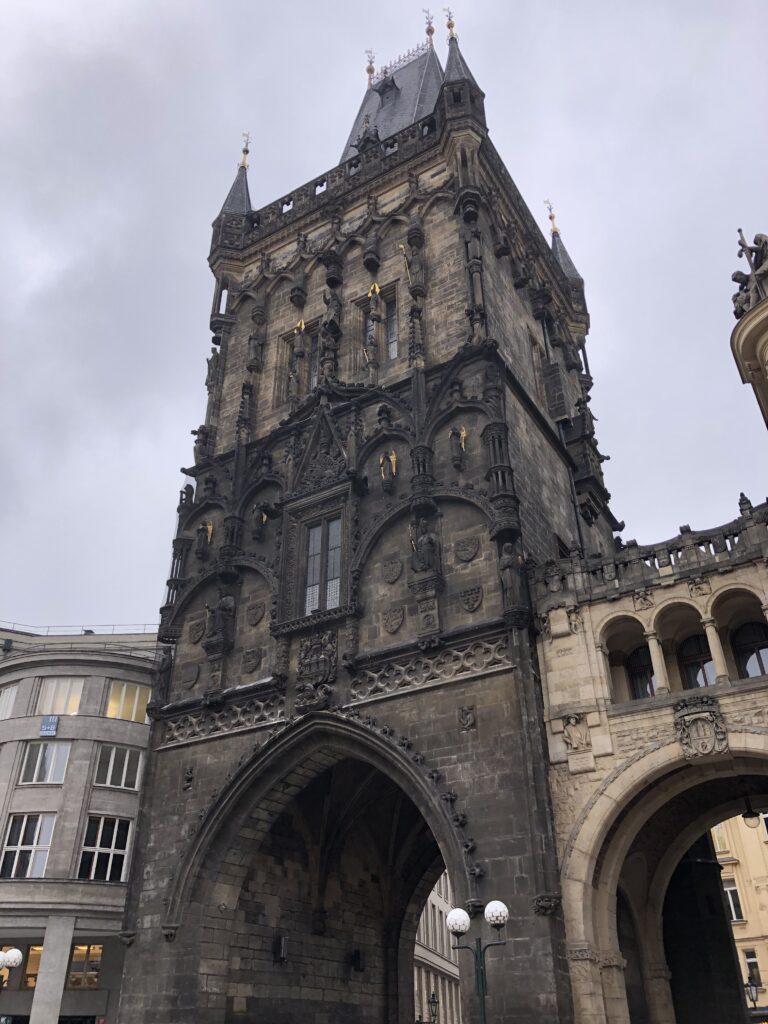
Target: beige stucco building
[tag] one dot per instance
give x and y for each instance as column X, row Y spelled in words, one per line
column 73, row 734
column 436, row 963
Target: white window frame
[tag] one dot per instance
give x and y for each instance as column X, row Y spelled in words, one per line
column 53, row 688
column 750, row 962
column 730, row 886
column 129, row 752
column 111, row 851
column 35, row 848
column 57, row 759
column 140, row 688
column 7, row 697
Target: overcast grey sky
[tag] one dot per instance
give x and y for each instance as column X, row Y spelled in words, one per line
column 119, row 136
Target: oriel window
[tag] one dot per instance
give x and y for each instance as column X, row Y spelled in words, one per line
column 323, row 581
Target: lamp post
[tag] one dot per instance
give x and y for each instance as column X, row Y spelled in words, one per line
column 10, row 958
column 432, row 1004
column 457, row 922
column 750, row 990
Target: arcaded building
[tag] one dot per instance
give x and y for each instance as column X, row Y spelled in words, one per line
column 73, row 738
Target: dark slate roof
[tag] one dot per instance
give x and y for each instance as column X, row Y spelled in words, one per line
column 456, row 69
column 561, row 255
column 239, row 198
column 417, row 87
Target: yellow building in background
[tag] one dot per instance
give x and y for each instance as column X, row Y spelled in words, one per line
column 742, row 853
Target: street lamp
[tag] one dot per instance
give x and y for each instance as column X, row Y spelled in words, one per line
column 10, row 958
column 750, row 990
column 457, row 922
column 432, row 1003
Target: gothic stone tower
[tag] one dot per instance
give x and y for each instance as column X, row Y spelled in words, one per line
column 397, row 428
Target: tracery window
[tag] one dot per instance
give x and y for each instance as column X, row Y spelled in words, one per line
column 322, row 589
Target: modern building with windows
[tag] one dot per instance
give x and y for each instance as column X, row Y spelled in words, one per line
column 73, row 736
column 435, row 962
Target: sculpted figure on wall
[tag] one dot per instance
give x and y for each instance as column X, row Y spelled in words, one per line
column 426, row 549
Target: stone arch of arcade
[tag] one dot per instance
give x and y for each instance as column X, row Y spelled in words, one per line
column 300, row 895
column 648, row 938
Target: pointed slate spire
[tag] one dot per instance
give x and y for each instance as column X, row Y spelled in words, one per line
column 462, row 96
column 239, row 198
column 567, row 265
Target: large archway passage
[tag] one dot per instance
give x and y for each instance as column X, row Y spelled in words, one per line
column 654, row 933
column 302, row 895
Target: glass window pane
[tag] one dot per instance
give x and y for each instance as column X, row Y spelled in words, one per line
column 101, row 867
column 115, row 700
column 61, row 757
column 30, row 762
column 92, row 831
column 7, row 696
column 107, row 833
column 132, row 770
column 30, row 829
column 46, row 829
column 75, row 693
column 14, row 831
column 118, row 766
column 22, row 864
column 312, row 599
column 102, row 771
column 116, row 868
column 140, row 714
column 121, row 839
column 86, row 864
column 37, row 864
column 6, row 867
column 332, row 594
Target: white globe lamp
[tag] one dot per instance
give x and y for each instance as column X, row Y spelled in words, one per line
column 496, row 914
column 457, row 922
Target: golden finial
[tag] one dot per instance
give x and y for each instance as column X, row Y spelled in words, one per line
column 299, row 328
column 554, row 229
column 373, row 290
column 450, row 23
column 370, row 69
column 246, row 150
column 430, row 29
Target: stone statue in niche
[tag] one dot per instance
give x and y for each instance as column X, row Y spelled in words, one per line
column 221, row 618
column 256, row 342
column 576, row 733
column 456, row 440
column 202, row 438
column 426, row 548
column 203, row 535
column 213, row 369
column 331, row 322
column 186, row 496
column 508, row 571
column 388, row 471
column 258, row 522
column 467, row 719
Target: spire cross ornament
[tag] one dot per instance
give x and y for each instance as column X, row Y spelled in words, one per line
column 430, row 29
column 555, row 229
column 450, row 23
column 370, row 69
column 246, row 149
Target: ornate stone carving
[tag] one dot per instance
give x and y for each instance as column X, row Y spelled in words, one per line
column 392, row 568
column 426, row 548
column 254, row 613
column 467, row 660
column 456, row 443
column 546, row 903
column 234, row 717
column 466, row 548
column 642, row 599
column 196, row 631
column 189, row 777
column 388, row 471
column 203, row 536
column 252, row 659
column 467, row 719
column 317, row 670
column 699, row 587
column 471, row 597
column 393, row 619
column 220, row 627
column 700, row 727
column 576, row 733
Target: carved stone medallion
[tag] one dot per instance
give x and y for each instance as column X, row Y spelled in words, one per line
column 196, row 631
column 700, row 727
column 255, row 613
column 189, row 675
column 392, row 568
column 317, row 658
column 252, row 659
column 393, row 619
column 471, row 598
column 466, row 549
